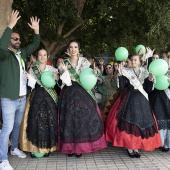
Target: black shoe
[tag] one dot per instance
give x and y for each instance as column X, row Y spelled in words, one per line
column 70, row 155
column 46, row 155
column 78, row 155
column 165, row 149
column 137, row 154
column 32, row 155
column 132, row 155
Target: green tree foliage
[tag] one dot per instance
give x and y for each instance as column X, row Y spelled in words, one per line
column 100, row 26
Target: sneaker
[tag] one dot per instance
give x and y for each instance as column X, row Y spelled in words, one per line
column 5, row 165
column 18, row 153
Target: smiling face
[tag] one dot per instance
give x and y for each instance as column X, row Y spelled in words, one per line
column 135, row 61
column 73, row 49
column 109, row 69
column 15, row 41
column 42, row 56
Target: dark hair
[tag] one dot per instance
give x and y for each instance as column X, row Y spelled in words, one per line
column 41, row 49
column 59, row 57
column 104, row 71
column 16, row 31
column 75, row 41
column 141, row 61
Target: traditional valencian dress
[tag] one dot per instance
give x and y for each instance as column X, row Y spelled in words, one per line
column 160, row 103
column 39, row 126
column 80, row 123
column 130, row 122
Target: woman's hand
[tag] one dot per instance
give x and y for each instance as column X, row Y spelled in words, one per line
column 101, row 81
column 34, row 24
column 62, row 67
column 26, row 74
column 68, row 53
column 151, row 77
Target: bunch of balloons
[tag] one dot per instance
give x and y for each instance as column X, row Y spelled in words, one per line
column 159, row 68
column 47, row 79
column 87, row 78
column 122, row 53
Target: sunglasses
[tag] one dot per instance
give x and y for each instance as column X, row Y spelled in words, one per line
column 16, row 39
column 108, row 68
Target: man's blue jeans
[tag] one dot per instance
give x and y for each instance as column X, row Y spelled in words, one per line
column 12, row 114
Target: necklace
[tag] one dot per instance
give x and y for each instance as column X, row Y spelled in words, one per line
column 137, row 74
column 42, row 68
column 74, row 64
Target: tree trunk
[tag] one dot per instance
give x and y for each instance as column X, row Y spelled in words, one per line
column 5, row 10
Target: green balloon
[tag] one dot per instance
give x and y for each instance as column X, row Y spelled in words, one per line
column 47, row 79
column 158, row 67
column 87, row 78
column 139, row 47
column 38, row 154
column 162, row 82
column 121, row 53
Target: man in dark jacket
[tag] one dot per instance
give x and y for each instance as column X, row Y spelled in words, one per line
column 13, row 85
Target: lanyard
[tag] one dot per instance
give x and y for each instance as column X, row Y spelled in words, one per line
column 21, row 61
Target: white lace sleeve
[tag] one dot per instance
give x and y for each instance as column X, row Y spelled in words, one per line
column 65, row 77
column 84, row 63
column 31, row 79
column 146, row 73
column 51, row 68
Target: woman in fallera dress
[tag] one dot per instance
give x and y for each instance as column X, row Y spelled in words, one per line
column 130, row 123
column 80, row 123
column 160, row 104
column 39, row 126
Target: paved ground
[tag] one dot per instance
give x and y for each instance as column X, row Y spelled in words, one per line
column 108, row 159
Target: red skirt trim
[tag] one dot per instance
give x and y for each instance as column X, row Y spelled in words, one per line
column 122, row 139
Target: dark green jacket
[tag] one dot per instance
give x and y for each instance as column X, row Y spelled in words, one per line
column 9, row 65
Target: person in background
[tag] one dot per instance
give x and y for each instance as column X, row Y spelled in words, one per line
column 59, row 61
column 32, row 62
column 111, row 91
column 58, row 85
column 98, row 88
column 160, row 104
column 13, row 85
column 115, row 66
column 168, row 58
column 109, row 84
column 128, row 62
column 155, row 56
